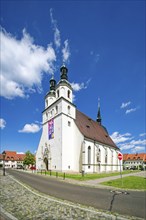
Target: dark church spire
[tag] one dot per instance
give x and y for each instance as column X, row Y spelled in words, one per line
column 98, row 114
column 52, row 83
column 63, row 72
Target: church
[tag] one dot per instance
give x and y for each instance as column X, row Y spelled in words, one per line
column 71, row 141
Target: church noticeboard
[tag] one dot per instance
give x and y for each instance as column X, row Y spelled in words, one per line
column 51, row 129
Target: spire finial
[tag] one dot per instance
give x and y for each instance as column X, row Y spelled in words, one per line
column 98, row 114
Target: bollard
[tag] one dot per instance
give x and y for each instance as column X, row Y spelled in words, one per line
column 82, row 173
column 41, row 172
column 56, row 174
column 64, row 176
column 50, row 173
column 45, row 172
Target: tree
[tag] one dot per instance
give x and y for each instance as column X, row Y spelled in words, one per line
column 29, row 159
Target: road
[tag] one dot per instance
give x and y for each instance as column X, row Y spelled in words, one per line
column 132, row 204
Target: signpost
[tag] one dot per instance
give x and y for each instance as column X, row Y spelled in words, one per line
column 120, row 157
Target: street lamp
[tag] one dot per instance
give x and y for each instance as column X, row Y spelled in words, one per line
column 4, row 155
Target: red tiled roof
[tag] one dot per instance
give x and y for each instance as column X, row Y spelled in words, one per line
column 140, row 156
column 92, row 130
column 12, row 155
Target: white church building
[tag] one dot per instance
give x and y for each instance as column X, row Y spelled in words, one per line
column 71, row 141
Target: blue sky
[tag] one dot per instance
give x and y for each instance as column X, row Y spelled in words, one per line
column 103, row 45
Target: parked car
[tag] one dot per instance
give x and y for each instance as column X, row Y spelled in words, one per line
column 33, row 168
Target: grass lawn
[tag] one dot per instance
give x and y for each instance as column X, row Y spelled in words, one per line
column 87, row 176
column 129, row 182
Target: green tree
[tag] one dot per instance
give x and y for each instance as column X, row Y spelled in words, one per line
column 29, row 159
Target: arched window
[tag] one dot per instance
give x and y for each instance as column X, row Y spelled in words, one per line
column 68, row 94
column 89, row 155
column 56, row 109
column 58, row 93
column 68, row 109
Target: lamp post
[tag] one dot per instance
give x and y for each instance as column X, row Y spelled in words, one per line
column 4, row 154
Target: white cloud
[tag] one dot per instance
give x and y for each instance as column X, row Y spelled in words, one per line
column 124, row 105
column 2, row 123
column 118, row 138
column 125, row 143
column 23, row 64
column 137, row 149
column 130, row 110
column 30, row 128
column 66, row 52
column 57, row 38
column 78, row 86
column 142, row 135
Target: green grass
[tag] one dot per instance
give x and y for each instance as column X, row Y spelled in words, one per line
column 129, row 182
column 87, row 176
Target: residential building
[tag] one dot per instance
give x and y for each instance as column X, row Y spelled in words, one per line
column 12, row 159
column 71, row 141
column 134, row 161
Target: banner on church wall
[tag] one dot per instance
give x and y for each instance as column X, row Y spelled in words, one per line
column 51, row 129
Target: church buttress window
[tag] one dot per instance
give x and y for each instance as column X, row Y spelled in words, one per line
column 89, row 156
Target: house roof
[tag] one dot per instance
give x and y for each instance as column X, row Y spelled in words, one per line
column 12, row 155
column 92, row 130
column 140, row 156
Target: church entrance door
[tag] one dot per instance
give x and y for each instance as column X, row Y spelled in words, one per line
column 46, row 163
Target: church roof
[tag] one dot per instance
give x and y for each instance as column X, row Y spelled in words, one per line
column 92, row 130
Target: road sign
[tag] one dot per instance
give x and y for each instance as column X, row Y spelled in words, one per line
column 120, row 156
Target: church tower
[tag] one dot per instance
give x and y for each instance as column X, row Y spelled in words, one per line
column 64, row 88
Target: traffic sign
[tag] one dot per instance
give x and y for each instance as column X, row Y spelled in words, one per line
column 120, row 156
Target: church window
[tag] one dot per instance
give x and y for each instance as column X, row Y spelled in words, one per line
column 68, row 94
column 106, row 156
column 68, row 109
column 58, row 93
column 52, row 112
column 46, row 115
column 56, row 109
column 46, row 102
column 69, row 123
column 89, row 155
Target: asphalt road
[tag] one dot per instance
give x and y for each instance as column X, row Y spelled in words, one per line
column 132, row 204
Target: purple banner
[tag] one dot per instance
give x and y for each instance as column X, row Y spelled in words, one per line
column 51, row 129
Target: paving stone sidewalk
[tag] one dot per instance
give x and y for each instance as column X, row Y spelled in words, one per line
column 19, row 202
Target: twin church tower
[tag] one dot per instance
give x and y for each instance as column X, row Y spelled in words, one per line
column 70, row 140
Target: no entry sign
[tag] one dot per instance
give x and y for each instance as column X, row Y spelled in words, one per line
column 120, row 156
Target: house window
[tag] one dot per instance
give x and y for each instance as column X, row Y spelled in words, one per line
column 89, row 155
column 68, row 94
